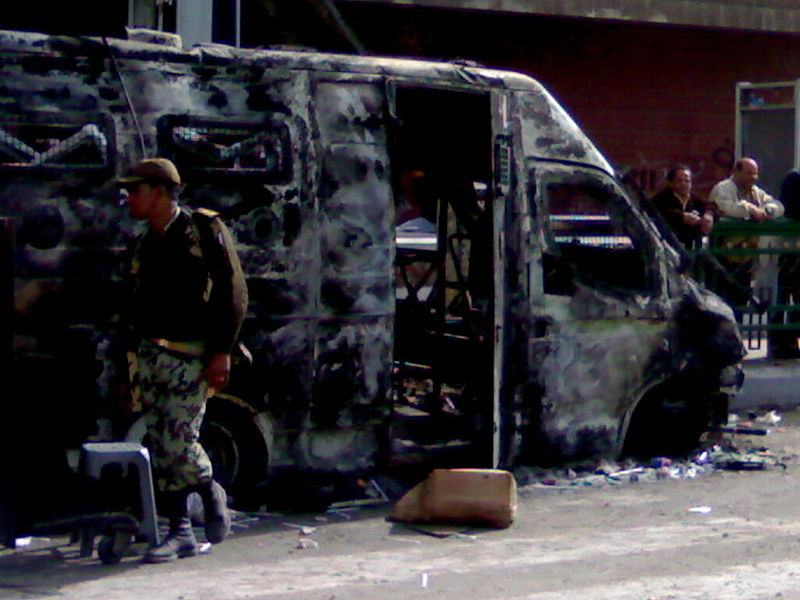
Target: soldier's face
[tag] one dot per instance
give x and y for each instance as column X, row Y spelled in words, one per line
column 141, row 200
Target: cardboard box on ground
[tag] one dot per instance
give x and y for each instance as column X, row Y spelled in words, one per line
column 486, row 497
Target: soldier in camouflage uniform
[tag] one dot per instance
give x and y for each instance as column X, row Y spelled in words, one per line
column 186, row 305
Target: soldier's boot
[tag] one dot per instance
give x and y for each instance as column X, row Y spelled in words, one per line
column 217, row 518
column 179, row 541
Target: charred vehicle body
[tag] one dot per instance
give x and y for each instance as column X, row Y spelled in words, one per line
column 418, row 238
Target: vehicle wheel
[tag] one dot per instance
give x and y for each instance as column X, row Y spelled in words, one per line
column 237, row 451
column 113, row 547
column 664, row 425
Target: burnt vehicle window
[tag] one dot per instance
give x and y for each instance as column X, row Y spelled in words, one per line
column 230, row 149
column 591, row 238
column 53, row 146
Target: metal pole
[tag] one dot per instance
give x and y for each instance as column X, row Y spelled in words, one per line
column 9, row 472
column 237, row 22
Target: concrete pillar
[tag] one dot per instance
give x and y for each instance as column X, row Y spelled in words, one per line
column 142, row 13
column 194, row 21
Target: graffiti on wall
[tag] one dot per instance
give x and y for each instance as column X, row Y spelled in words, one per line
column 649, row 175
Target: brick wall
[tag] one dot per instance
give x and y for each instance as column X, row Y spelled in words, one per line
column 648, row 95
column 764, row 15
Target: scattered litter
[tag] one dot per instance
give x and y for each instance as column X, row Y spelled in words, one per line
column 341, row 513
column 719, row 451
column 400, row 538
column 464, row 536
column 745, row 429
column 204, row 548
column 734, row 460
column 304, row 529
column 359, row 503
column 633, row 471
column 703, row 458
column 770, row 418
column 373, row 490
column 593, row 480
column 305, row 543
column 446, row 532
column 606, row 468
column 700, row 509
column 756, row 424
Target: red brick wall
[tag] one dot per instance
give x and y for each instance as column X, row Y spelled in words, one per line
column 649, row 95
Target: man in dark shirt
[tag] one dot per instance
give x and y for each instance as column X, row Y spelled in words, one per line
column 687, row 214
column 186, row 305
column 783, row 342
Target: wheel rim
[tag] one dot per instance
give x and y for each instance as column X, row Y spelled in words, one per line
column 223, row 451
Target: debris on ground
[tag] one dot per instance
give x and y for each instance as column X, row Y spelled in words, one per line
column 728, row 448
column 303, row 529
column 755, row 424
column 438, row 531
column 305, row 543
column 746, row 429
column 373, row 490
column 770, row 418
column 733, row 460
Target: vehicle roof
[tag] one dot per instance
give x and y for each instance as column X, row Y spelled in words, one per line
column 556, row 136
column 290, row 58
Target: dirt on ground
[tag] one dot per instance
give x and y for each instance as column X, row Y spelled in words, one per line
column 655, row 531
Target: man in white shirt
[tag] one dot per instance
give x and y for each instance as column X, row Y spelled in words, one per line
column 738, row 196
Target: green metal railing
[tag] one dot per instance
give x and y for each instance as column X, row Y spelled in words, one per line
column 756, row 268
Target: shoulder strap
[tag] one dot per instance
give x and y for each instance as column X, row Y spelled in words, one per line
column 203, row 235
column 202, row 219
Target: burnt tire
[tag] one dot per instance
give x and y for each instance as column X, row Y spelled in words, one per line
column 237, row 451
column 665, row 425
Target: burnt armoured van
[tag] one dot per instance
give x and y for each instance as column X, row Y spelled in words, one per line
column 419, row 238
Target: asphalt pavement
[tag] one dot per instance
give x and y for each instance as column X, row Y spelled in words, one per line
column 722, row 535
column 717, row 535
column 769, row 383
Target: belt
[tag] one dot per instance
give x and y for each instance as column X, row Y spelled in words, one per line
column 188, row 348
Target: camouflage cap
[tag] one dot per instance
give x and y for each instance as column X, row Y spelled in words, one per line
column 157, row 170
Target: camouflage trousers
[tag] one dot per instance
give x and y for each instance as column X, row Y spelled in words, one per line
column 173, row 396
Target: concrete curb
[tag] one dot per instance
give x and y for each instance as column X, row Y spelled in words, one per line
column 769, row 383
